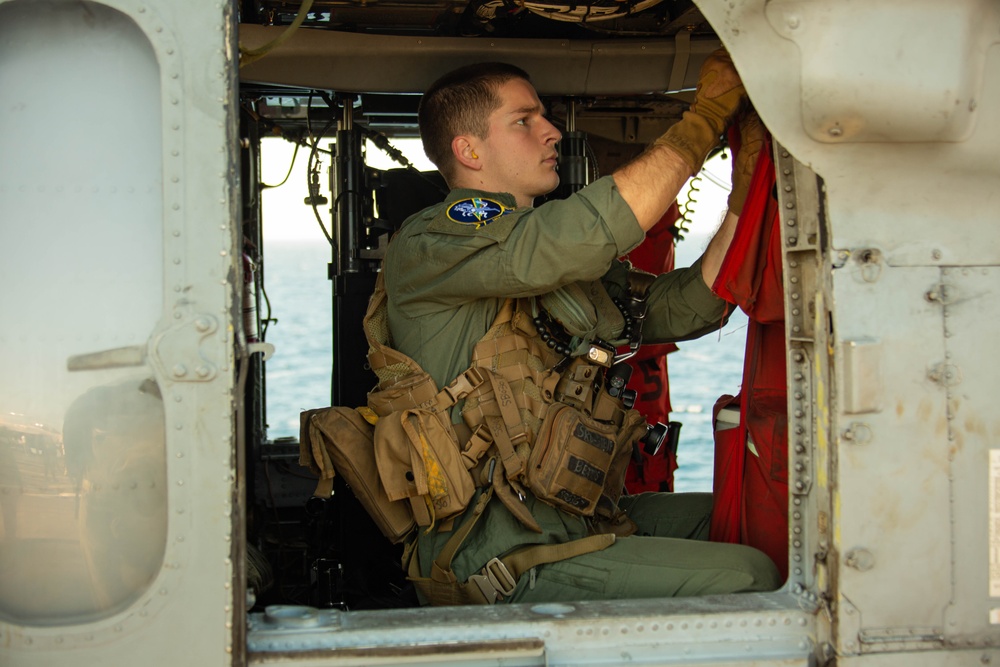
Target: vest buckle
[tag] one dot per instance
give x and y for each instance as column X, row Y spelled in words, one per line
column 494, row 581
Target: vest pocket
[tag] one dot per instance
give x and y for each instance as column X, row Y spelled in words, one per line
column 418, row 458
column 569, row 463
column 338, row 440
column 414, row 390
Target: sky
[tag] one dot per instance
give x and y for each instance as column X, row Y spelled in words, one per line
column 286, row 217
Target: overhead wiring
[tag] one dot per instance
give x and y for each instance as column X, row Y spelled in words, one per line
column 599, row 10
column 248, row 56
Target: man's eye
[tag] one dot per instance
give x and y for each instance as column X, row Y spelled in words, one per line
column 521, row 121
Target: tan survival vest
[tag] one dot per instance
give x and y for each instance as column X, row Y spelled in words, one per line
column 534, row 418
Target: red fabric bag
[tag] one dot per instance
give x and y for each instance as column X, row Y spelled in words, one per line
column 751, row 485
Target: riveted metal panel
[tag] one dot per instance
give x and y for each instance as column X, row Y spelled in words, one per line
column 971, row 315
column 974, row 657
column 724, row 630
column 805, row 272
column 193, row 47
column 934, row 174
column 905, row 199
column 84, row 533
column 891, row 505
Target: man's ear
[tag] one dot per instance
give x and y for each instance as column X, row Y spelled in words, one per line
column 465, row 154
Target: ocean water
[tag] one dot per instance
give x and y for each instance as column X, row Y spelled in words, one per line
column 299, row 373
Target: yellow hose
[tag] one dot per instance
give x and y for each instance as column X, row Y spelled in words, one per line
column 248, row 56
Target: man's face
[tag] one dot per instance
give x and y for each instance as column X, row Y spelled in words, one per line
column 519, row 155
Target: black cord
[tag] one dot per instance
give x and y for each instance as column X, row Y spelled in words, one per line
column 382, row 143
column 266, row 321
column 309, row 168
column 264, row 186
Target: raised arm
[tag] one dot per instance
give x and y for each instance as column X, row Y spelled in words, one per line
column 751, row 141
column 652, row 181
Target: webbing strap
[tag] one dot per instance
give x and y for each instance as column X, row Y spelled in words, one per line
column 499, row 578
column 522, row 560
column 513, row 465
column 441, row 568
column 507, row 431
column 504, row 397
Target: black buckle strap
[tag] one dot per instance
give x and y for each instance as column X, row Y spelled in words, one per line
column 634, row 309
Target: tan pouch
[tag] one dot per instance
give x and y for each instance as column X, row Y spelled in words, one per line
column 414, row 390
column 569, row 462
column 418, row 459
column 339, row 439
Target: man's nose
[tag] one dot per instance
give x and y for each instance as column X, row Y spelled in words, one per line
column 550, row 133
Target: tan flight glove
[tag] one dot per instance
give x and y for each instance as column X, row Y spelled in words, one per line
column 716, row 100
column 752, row 134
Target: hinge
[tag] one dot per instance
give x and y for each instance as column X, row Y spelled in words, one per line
column 180, row 351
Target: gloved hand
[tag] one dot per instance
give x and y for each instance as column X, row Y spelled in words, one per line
column 752, row 134
column 716, row 100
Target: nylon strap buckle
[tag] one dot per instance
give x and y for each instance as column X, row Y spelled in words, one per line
column 495, row 581
column 460, row 387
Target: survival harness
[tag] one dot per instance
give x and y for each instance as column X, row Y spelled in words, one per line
column 539, row 413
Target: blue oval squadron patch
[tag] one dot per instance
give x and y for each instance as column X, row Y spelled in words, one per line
column 476, row 211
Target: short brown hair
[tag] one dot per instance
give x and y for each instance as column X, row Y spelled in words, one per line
column 460, row 102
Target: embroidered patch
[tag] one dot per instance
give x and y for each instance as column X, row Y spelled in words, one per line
column 476, row 211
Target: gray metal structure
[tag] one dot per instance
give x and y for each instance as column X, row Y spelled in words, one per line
column 123, row 355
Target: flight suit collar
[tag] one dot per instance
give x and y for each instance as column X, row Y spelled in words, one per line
column 459, row 194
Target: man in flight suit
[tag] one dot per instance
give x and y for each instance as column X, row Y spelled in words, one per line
column 450, row 268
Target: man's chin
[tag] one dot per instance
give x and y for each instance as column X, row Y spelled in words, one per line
column 553, row 185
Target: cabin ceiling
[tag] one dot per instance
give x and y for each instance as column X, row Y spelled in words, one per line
column 531, row 19
column 618, row 69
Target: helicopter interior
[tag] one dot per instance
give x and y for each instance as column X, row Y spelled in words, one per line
column 327, row 75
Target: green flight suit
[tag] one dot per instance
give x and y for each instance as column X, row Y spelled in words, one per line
column 447, row 275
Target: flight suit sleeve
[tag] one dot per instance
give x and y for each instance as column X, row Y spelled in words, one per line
column 680, row 307
column 517, row 254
